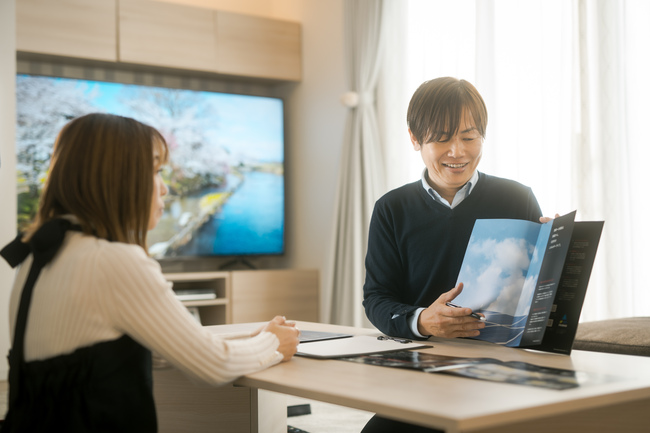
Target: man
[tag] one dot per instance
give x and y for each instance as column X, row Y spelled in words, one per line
column 419, row 232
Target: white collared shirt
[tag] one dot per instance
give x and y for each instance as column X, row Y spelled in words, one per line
column 461, row 194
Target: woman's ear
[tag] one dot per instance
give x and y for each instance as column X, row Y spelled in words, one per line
column 416, row 145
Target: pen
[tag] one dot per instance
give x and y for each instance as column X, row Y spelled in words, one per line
column 474, row 315
column 399, row 340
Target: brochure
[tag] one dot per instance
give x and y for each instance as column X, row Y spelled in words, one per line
column 529, row 280
column 494, row 370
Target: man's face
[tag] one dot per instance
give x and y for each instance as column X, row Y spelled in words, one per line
column 452, row 161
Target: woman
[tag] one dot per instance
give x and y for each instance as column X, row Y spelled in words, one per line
column 88, row 305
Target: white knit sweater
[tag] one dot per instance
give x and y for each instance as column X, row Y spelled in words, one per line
column 95, row 291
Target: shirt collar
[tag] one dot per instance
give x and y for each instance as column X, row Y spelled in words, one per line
column 461, row 194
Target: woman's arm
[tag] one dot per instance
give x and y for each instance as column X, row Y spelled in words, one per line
column 140, row 302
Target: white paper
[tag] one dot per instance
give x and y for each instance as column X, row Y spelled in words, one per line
column 357, row 345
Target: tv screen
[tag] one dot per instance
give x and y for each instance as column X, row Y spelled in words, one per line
column 226, row 169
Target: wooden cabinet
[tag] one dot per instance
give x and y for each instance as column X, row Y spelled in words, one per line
column 69, row 28
column 179, row 36
column 247, row 45
column 168, row 35
column 161, row 34
column 252, row 296
column 261, row 295
column 184, row 405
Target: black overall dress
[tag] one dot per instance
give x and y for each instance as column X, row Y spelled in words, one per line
column 106, row 387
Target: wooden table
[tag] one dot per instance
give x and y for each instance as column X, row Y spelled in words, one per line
column 621, row 403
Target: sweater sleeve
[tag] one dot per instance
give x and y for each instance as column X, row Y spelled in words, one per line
column 139, row 302
column 385, row 276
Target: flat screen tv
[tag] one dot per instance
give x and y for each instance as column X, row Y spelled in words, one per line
column 226, row 171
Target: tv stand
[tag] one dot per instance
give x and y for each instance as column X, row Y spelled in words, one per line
column 231, row 263
column 243, row 296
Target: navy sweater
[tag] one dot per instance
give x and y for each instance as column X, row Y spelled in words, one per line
column 416, row 245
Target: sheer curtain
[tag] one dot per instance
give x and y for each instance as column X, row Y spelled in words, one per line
column 613, row 48
column 566, row 87
column 362, row 175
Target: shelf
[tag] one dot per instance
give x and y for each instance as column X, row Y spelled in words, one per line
column 211, row 311
column 253, row 296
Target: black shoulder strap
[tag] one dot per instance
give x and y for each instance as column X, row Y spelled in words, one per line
column 44, row 245
column 16, row 251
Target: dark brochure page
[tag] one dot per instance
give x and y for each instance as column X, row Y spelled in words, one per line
column 565, row 312
column 549, row 277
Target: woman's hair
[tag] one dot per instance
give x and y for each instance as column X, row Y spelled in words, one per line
column 102, row 171
column 437, row 106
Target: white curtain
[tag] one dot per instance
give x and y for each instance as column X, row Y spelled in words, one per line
column 362, row 175
column 611, row 149
column 566, row 85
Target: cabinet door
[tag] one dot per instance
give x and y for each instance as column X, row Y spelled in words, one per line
column 258, row 47
column 168, row 35
column 70, row 28
column 258, row 296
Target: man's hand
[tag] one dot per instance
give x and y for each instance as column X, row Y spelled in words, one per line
column 440, row 320
column 547, row 219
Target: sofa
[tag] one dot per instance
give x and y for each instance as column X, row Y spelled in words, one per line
column 629, row 336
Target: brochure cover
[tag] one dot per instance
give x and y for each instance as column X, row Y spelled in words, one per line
column 529, row 279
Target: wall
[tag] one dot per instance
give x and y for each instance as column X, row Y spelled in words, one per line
column 315, row 130
column 317, row 121
column 7, row 163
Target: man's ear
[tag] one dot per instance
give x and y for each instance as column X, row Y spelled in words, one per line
column 416, row 145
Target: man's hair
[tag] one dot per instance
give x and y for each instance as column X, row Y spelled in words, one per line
column 437, row 106
column 102, row 171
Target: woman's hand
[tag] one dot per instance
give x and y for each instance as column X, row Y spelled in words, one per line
column 441, row 320
column 287, row 333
